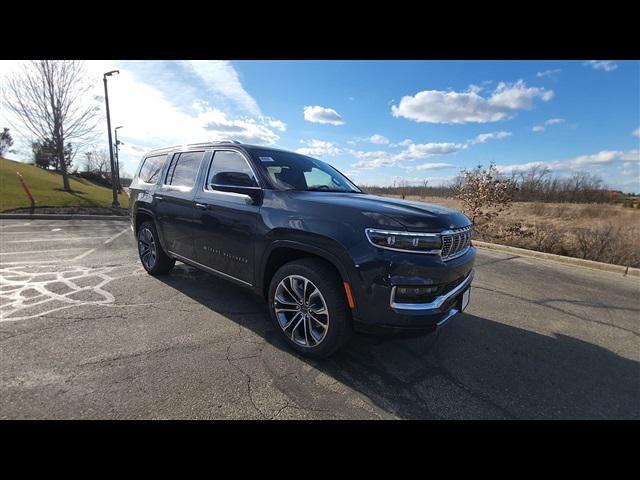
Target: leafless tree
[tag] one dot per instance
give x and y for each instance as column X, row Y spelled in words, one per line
column 484, row 194
column 97, row 161
column 51, row 100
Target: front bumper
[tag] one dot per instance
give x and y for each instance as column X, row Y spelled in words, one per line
column 377, row 310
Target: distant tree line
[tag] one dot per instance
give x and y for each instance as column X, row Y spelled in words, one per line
column 536, row 184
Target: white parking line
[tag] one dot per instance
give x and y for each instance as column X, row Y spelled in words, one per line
column 111, row 239
column 42, row 251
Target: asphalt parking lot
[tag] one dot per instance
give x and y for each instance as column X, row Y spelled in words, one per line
column 86, row 333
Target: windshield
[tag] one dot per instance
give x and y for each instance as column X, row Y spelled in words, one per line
column 292, row 171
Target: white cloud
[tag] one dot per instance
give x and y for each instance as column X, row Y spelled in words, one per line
column 318, row 148
column 582, row 162
column 484, row 137
column 551, row 121
column 549, row 73
column 381, row 158
column 416, row 151
column 636, row 132
column 436, row 106
column 221, row 77
column 434, row 166
column 317, row 114
column 378, row 139
column 605, row 65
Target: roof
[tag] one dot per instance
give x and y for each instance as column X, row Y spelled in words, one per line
column 190, row 146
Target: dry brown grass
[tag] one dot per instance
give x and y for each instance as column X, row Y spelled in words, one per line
column 601, row 232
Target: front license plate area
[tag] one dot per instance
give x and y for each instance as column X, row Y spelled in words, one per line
column 464, row 299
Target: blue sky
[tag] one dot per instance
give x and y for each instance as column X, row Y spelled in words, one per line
column 383, row 120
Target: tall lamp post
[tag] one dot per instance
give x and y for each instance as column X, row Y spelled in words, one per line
column 118, row 142
column 114, row 188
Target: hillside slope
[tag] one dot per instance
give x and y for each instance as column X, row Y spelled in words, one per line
column 46, row 188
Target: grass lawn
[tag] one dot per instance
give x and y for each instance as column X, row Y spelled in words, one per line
column 46, row 188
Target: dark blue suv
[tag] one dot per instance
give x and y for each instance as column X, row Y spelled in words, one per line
column 328, row 257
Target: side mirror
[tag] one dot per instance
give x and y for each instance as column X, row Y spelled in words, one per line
column 237, row 182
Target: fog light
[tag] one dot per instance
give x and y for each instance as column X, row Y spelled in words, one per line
column 415, row 294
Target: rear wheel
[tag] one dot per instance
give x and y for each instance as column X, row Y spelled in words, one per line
column 309, row 307
column 154, row 259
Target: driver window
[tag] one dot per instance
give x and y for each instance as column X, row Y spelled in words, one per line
column 230, row 169
column 316, row 178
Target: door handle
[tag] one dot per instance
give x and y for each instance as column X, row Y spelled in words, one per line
column 158, row 197
column 201, row 205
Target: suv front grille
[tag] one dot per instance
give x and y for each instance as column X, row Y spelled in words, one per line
column 456, row 242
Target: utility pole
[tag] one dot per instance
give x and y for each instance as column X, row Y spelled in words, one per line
column 114, row 188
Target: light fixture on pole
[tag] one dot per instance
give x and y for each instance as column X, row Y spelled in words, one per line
column 114, row 188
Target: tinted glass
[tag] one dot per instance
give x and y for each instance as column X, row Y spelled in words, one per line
column 184, row 169
column 292, row 171
column 231, row 169
column 151, row 168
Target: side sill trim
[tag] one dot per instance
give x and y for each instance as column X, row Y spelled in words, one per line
column 437, row 303
column 207, row 269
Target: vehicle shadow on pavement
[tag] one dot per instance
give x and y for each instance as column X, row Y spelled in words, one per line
column 474, row 368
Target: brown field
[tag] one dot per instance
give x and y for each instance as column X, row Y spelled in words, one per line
column 602, row 232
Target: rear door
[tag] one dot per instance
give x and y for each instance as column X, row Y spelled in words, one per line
column 174, row 203
column 226, row 221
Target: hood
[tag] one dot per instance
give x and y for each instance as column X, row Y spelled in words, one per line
column 416, row 216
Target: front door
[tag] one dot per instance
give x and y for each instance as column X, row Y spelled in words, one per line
column 173, row 201
column 226, row 221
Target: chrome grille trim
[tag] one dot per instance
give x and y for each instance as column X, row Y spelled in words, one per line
column 455, row 243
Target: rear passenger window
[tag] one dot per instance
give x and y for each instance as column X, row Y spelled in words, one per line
column 183, row 169
column 151, row 168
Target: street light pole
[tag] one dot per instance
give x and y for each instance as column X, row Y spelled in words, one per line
column 115, row 131
column 114, row 190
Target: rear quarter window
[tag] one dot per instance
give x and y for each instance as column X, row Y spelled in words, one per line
column 151, row 168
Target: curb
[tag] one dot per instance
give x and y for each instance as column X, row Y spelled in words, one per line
column 576, row 262
column 51, row 216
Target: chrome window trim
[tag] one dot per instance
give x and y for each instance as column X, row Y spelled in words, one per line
column 181, row 188
column 206, row 177
column 435, row 304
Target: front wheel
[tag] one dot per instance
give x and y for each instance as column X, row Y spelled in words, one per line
column 309, row 308
column 154, row 259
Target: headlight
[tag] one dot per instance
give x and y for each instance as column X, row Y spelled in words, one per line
column 405, row 241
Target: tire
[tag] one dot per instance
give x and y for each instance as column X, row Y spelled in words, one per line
column 154, row 259
column 301, row 322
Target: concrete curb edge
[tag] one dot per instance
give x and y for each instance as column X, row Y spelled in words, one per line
column 51, row 216
column 576, row 262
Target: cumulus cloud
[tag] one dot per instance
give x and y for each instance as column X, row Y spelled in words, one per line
column 318, row 148
column 581, row 162
column 605, row 65
column 317, row 114
column 549, row 73
column 434, row 166
column 436, row 106
column 484, row 137
column 551, row 121
column 636, row 132
column 378, row 139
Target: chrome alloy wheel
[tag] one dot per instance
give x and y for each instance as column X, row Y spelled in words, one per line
column 147, row 248
column 301, row 311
